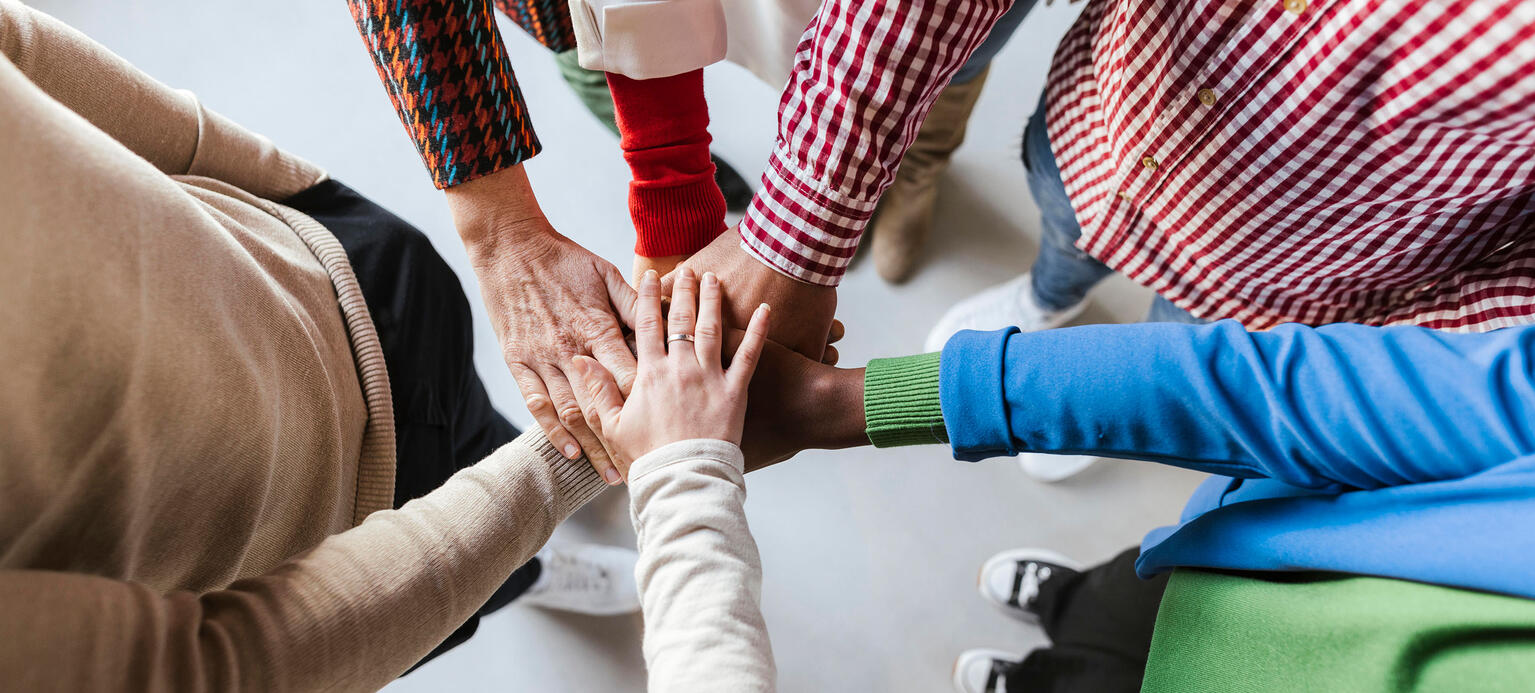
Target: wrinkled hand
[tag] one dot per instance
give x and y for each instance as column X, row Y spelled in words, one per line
column 549, row 301
column 805, row 311
column 682, row 391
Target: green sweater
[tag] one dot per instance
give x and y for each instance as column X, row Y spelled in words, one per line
column 1220, row 632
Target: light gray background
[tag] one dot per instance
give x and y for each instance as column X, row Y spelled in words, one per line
column 869, row 557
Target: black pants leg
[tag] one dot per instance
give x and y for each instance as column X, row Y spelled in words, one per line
column 1099, row 624
column 444, row 420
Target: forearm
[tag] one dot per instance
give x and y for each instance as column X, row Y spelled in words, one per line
column 167, row 127
column 674, row 202
column 871, row 71
column 1359, row 406
column 451, row 81
column 699, row 573
column 491, row 210
column 155, row 121
column 352, row 614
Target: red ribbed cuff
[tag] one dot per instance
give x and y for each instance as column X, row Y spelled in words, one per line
column 678, row 218
column 664, row 129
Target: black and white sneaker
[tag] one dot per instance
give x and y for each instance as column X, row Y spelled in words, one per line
column 983, row 671
column 1012, row 579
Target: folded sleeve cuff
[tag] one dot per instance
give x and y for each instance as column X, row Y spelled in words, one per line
column 900, row 402
column 649, row 39
column 972, row 393
column 676, row 219
column 798, row 226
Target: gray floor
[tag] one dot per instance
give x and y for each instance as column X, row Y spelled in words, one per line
column 870, row 557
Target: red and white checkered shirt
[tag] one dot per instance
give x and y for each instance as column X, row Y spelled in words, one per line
column 1265, row 160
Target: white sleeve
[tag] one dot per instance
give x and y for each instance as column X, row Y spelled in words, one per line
column 699, row 575
column 648, row 39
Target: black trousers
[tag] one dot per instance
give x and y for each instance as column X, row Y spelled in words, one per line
column 1100, row 624
column 443, row 419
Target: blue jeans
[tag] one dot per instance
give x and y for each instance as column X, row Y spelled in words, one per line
column 1062, row 273
column 1000, row 33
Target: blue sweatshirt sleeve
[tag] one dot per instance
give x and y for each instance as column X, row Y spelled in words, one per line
column 1347, row 405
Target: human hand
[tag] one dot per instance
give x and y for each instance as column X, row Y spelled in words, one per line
column 682, row 391
column 805, row 311
column 662, row 265
column 797, row 404
column 549, row 300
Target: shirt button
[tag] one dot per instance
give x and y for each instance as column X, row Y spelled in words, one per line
column 1123, row 195
column 1295, row 6
column 1206, row 96
column 1150, row 163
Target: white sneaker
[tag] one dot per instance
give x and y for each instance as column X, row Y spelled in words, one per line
column 1053, row 468
column 1011, row 579
column 585, row 579
column 981, row 671
column 1003, row 305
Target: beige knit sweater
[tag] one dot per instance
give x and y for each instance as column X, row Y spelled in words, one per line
column 194, row 411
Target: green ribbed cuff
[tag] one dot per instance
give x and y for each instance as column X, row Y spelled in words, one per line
column 900, row 402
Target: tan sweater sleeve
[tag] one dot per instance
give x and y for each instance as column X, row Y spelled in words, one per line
column 699, row 574
column 167, row 127
column 352, row 614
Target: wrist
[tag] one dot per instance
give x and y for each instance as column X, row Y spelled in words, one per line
column 496, row 208
column 832, row 411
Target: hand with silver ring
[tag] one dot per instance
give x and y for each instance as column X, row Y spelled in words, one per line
column 679, row 394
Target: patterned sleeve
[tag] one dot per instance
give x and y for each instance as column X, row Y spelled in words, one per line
column 865, row 75
column 451, row 81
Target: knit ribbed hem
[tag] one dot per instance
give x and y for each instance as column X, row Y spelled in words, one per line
column 376, row 463
column 576, row 482
column 900, row 402
column 676, row 219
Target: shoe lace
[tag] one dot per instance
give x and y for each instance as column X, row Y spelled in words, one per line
column 1034, row 574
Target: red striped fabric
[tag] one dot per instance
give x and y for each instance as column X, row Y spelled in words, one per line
column 1365, row 161
column 1358, row 160
column 865, row 75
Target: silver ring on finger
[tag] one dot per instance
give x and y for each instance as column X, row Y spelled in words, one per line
column 678, row 338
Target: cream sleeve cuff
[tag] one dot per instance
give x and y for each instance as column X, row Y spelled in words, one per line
column 648, row 39
column 686, row 450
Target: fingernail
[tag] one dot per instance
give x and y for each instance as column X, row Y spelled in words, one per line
column 651, row 276
column 610, row 475
column 763, row 307
column 572, row 451
column 710, row 279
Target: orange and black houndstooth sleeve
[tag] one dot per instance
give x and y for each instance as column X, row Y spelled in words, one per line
column 451, row 81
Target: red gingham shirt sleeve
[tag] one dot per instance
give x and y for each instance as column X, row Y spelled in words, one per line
column 865, row 75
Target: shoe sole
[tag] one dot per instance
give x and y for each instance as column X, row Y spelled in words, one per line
column 1045, row 555
column 958, row 683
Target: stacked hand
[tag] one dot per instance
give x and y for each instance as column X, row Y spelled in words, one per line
column 552, row 301
column 549, row 300
column 752, row 283
column 683, row 391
